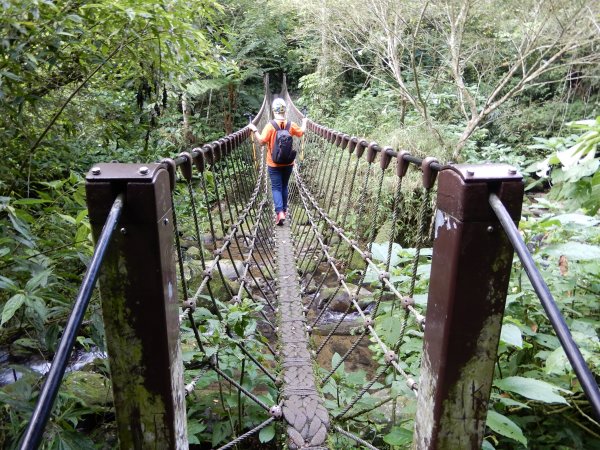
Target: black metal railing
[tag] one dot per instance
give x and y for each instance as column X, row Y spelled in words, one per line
column 582, row 371
column 43, row 408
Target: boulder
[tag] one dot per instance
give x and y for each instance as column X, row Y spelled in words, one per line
column 357, row 262
column 89, row 387
column 341, row 301
column 228, row 268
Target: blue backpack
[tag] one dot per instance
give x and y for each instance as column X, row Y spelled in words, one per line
column 283, row 151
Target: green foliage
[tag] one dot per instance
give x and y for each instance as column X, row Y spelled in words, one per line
column 573, row 166
column 534, row 378
column 66, row 70
column 217, row 398
column 319, row 92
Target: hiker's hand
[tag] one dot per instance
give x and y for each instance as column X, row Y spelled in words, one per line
column 253, row 127
column 303, row 126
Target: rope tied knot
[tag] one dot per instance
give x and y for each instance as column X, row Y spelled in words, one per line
column 189, row 304
column 407, row 302
column 276, row 411
column 384, row 276
column 390, row 356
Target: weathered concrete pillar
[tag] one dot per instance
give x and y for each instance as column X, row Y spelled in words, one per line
column 470, row 272
column 138, row 288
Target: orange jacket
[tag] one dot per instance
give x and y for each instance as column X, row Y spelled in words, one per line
column 268, row 137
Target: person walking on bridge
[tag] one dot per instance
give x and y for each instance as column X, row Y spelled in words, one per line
column 277, row 134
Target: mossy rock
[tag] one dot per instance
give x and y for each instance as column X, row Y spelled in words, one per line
column 341, row 300
column 357, row 262
column 308, row 266
column 89, row 387
column 219, row 288
column 194, row 253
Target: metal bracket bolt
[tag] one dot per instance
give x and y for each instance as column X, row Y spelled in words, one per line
column 407, row 301
column 143, row 170
column 275, row 411
column 191, row 304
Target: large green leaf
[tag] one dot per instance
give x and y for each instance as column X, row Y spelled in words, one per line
column 7, row 283
column 573, row 250
column 398, row 436
column 267, row 434
column 557, row 362
column 486, row 445
column 380, row 252
column 511, row 335
column 40, row 279
column 532, row 389
column 194, row 428
column 11, row 307
column 505, row 427
column 577, row 219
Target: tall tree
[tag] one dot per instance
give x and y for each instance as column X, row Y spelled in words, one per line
column 489, row 52
column 60, row 60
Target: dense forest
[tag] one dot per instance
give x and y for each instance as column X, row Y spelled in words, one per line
column 462, row 80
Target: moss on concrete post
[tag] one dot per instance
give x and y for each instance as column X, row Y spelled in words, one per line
column 138, row 288
column 470, row 272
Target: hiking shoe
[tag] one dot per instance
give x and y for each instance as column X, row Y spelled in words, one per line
column 280, row 218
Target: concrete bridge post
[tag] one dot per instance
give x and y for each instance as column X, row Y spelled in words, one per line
column 138, row 288
column 470, row 272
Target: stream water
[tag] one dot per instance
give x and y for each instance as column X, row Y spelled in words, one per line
column 11, row 369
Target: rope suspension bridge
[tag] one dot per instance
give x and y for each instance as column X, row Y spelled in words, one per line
column 179, row 240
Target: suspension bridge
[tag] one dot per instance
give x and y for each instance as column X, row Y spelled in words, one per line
column 178, row 240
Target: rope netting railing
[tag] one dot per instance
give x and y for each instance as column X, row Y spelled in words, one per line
column 242, row 272
column 211, row 203
column 333, row 182
column 327, row 194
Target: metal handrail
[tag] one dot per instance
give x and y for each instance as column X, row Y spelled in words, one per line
column 43, row 407
column 584, row 375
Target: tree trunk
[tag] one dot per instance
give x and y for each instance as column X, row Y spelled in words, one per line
column 188, row 136
column 466, row 134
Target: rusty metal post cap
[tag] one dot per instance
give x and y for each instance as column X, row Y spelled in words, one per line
column 429, row 175
column 386, row 157
column 372, row 150
column 171, row 168
column 360, row 147
column 186, row 167
column 401, row 163
column 352, row 144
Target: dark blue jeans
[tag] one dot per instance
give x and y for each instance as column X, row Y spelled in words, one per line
column 280, row 176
